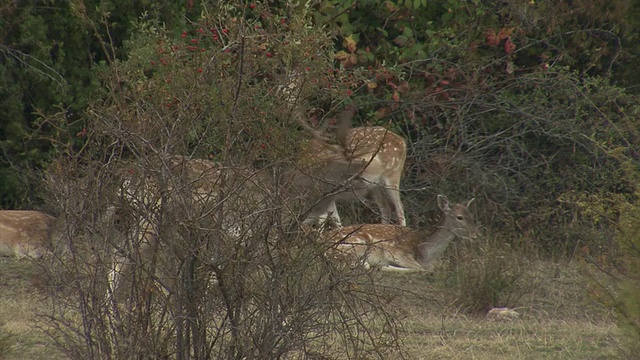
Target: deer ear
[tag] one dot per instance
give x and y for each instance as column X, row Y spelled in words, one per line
column 443, row 203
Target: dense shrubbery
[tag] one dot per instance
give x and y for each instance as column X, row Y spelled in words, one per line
column 483, row 92
column 530, row 110
column 219, row 89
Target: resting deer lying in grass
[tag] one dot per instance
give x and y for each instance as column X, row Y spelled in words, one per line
column 393, row 247
column 383, row 154
column 25, row 233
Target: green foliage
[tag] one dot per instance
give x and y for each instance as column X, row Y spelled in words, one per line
column 626, row 301
column 515, row 98
column 212, row 73
column 485, row 93
column 50, row 56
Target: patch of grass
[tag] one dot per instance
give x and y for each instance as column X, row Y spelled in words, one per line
column 20, row 304
column 456, row 336
column 7, row 343
column 558, row 320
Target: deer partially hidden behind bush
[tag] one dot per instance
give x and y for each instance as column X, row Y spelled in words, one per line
column 382, row 154
column 393, row 247
column 25, row 233
column 366, row 161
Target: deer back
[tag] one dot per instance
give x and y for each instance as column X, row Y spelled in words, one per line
column 25, row 233
column 384, row 151
column 378, row 240
column 199, row 187
column 381, row 151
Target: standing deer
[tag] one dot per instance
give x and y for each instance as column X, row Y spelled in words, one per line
column 383, row 154
column 25, row 233
column 393, row 247
column 207, row 195
column 367, row 161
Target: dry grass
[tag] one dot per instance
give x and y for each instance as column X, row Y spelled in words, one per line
column 461, row 337
column 558, row 320
column 20, row 304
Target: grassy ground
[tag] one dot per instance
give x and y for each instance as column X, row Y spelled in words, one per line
column 20, row 305
column 558, row 320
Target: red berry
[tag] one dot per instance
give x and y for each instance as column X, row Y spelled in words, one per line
column 184, row 34
column 253, row 6
column 269, row 54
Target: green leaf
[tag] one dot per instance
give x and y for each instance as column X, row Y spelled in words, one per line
column 384, row 32
column 401, row 40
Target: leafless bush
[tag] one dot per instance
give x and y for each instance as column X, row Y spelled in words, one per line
column 168, row 254
column 189, row 287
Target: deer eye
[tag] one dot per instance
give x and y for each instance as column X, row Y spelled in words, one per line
column 460, row 217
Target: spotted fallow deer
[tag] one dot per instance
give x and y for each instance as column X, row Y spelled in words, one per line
column 25, row 233
column 391, row 247
column 229, row 197
column 383, row 154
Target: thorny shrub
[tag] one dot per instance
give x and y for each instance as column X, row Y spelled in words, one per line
column 158, row 262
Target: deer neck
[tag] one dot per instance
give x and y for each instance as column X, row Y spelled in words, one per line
column 435, row 244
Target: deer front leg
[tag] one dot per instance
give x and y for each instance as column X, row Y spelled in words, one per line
column 323, row 214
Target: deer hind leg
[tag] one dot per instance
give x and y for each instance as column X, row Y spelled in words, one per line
column 403, row 263
column 379, row 197
column 387, row 198
column 324, row 214
column 392, row 192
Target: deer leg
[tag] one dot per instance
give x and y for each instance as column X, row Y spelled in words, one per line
column 325, row 211
column 333, row 216
column 393, row 195
column 398, row 269
column 379, row 197
column 403, row 262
